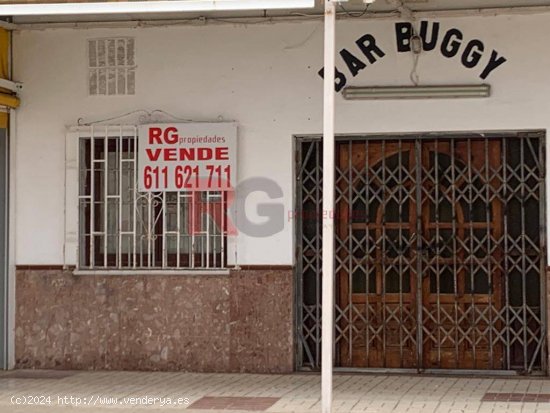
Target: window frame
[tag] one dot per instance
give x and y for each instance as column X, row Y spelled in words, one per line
column 72, row 213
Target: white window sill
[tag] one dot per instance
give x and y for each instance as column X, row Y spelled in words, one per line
column 154, row 271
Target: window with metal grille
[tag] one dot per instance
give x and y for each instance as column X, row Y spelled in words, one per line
column 122, row 228
column 112, row 67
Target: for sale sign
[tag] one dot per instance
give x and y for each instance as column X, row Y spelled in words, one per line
column 187, row 157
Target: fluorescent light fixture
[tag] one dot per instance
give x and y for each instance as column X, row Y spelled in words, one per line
column 417, row 92
column 161, row 6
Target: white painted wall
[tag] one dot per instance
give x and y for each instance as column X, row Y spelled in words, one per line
column 264, row 77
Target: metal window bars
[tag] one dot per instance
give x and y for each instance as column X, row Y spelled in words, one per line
column 121, row 228
column 440, row 252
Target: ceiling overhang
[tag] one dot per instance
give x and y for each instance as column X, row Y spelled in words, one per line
column 15, row 8
column 40, row 12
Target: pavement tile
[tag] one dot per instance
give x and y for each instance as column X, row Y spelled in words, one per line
column 296, row 393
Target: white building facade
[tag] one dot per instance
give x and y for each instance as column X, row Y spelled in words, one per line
column 258, row 309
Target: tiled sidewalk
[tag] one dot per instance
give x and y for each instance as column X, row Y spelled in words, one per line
column 200, row 393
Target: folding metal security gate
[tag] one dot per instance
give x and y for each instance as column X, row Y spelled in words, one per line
column 440, row 252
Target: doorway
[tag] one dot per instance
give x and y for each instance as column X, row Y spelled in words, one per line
column 440, row 252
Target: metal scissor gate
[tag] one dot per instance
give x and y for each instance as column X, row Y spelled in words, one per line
column 440, row 252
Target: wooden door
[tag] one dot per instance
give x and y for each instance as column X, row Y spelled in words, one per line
column 461, row 227
column 376, row 254
column 418, row 230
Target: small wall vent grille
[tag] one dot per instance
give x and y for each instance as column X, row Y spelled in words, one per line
column 112, row 67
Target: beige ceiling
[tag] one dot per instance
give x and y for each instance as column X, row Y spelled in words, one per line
column 380, row 7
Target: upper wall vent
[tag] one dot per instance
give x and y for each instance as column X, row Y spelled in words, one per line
column 112, row 66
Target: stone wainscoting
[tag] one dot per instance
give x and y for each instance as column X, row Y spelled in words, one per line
column 241, row 322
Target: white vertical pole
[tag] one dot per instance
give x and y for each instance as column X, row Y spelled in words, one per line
column 328, row 211
column 12, row 185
